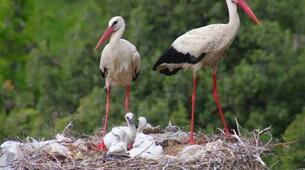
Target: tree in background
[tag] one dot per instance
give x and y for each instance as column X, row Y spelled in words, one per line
column 49, row 72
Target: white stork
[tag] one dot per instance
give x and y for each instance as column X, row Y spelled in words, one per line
column 140, row 136
column 144, row 145
column 122, row 134
column 204, row 46
column 120, row 62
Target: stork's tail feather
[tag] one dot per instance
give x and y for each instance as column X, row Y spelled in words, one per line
column 103, row 73
column 136, row 76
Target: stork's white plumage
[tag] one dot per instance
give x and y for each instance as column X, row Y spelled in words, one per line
column 120, row 62
column 125, row 134
column 119, row 148
column 148, row 149
column 140, row 136
column 130, row 129
column 201, row 47
column 114, row 136
column 145, row 146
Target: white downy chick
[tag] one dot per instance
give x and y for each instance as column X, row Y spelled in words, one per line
column 119, row 148
column 120, row 136
column 145, row 146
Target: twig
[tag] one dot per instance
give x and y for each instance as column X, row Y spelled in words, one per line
column 67, row 127
column 237, row 126
column 140, row 152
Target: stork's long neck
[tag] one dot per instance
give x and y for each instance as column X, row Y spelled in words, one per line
column 133, row 129
column 140, row 128
column 234, row 21
column 116, row 36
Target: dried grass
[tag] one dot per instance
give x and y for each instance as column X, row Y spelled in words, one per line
column 238, row 151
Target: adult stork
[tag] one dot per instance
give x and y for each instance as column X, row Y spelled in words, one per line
column 204, row 46
column 120, row 62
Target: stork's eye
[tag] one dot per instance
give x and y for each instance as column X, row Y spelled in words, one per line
column 115, row 22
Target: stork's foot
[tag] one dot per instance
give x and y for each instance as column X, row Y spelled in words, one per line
column 102, row 146
column 230, row 138
column 129, row 146
column 227, row 132
column 192, row 141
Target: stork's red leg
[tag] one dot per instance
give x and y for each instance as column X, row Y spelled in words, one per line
column 127, row 94
column 192, row 140
column 217, row 101
column 104, row 131
column 107, row 111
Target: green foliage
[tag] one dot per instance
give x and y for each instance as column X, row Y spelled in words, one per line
column 87, row 116
column 15, row 43
column 25, row 122
column 49, row 72
column 295, row 133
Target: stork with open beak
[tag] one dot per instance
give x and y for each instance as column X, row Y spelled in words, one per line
column 120, row 62
column 204, row 46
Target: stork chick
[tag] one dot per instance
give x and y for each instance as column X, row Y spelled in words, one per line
column 125, row 134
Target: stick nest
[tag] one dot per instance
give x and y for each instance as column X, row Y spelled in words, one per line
column 216, row 151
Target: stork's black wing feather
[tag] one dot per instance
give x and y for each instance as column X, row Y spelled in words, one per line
column 168, row 72
column 103, row 73
column 136, row 76
column 172, row 56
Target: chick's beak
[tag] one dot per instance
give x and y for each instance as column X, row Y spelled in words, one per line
column 130, row 121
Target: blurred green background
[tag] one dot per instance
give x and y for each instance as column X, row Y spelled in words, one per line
column 49, row 73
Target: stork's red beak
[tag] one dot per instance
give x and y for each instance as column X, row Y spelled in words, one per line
column 243, row 5
column 105, row 36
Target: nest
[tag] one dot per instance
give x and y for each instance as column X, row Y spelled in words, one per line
column 217, row 151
